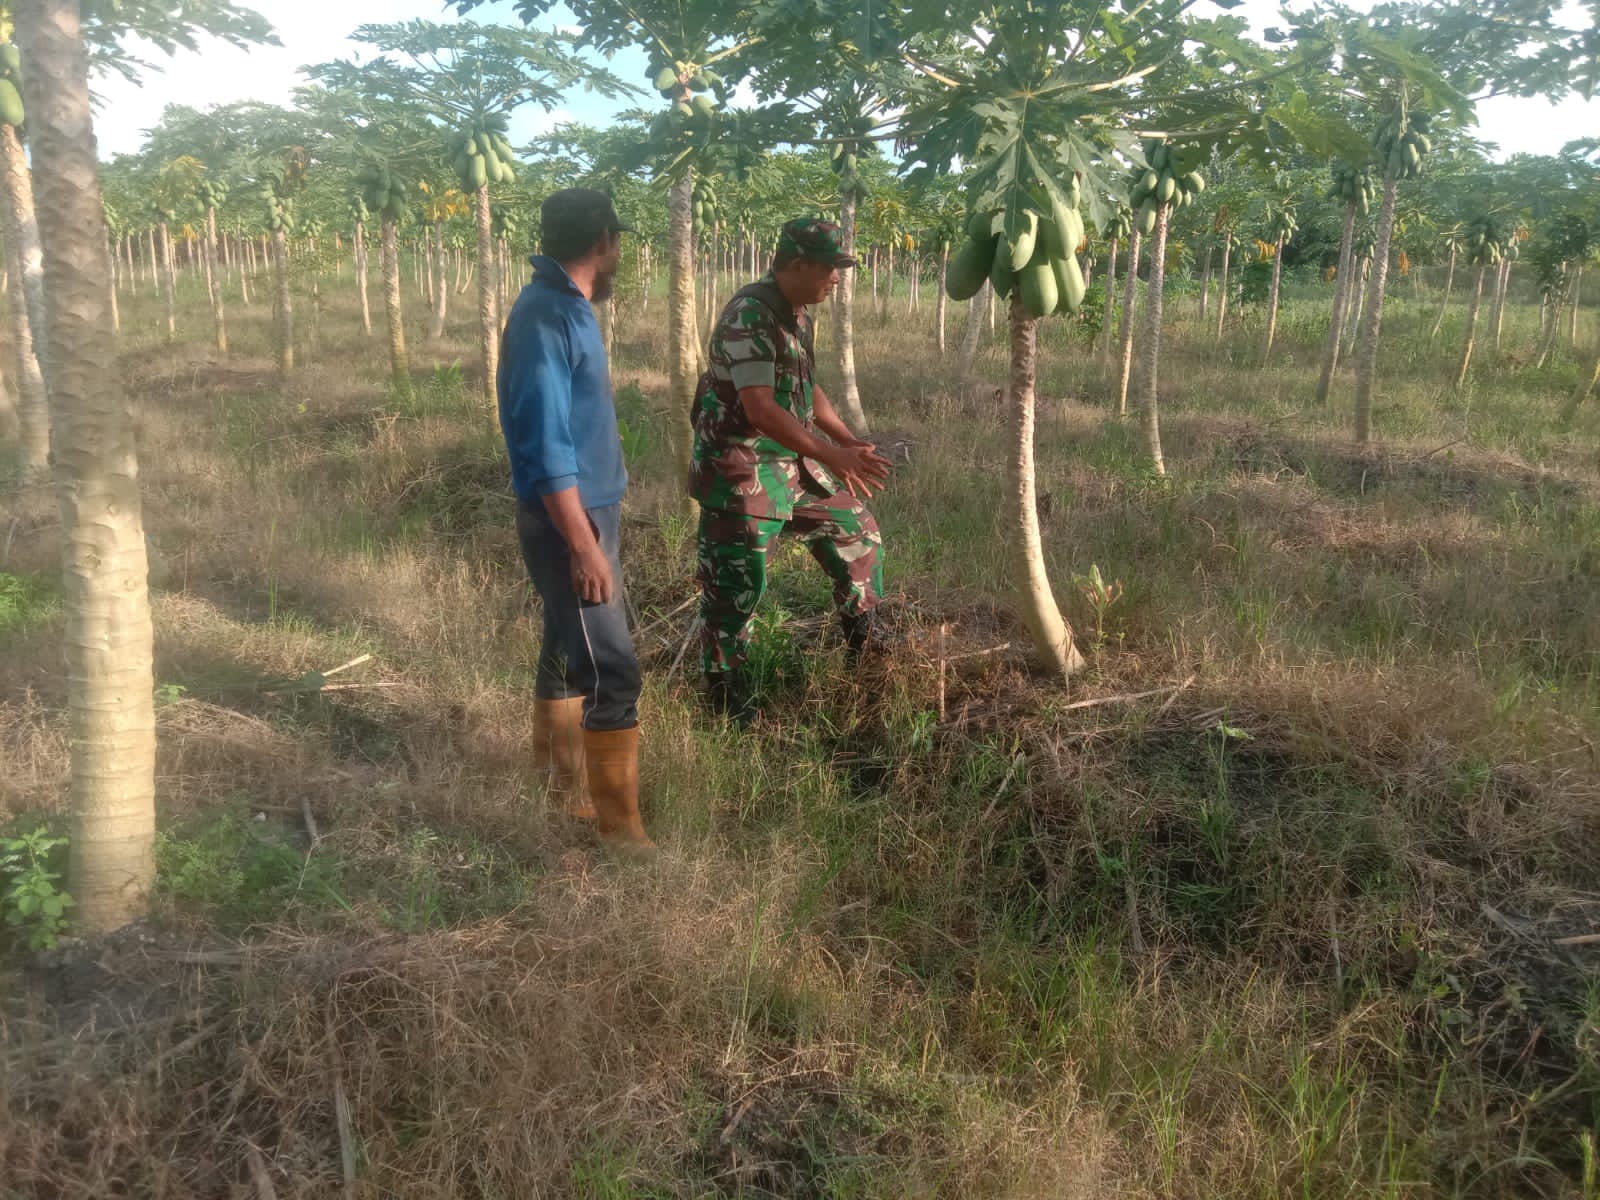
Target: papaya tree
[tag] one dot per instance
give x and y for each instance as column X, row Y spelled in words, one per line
column 1036, row 113
column 1130, row 298
column 275, row 192
column 1166, row 182
column 1451, row 239
column 1484, row 240
column 212, row 194
column 175, row 186
column 1118, row 233
column 1281, row 227
column 1353, row 187
column 383, row 193
column 462, row 81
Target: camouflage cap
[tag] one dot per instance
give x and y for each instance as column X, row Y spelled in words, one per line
column 814, row 239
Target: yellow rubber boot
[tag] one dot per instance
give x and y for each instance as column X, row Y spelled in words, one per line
column 558, row 749
column 611, row 757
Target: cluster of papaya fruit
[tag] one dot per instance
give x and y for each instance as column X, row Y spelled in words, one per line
column 1400, row 142
column 280, row 207
column 1162, row 182
column 1487, row 241
column 481, row 155
column 383, row 193
column 1040, row 258
column 1353, row 184
column 213, row 193
column 11, row 112
column 691, row 112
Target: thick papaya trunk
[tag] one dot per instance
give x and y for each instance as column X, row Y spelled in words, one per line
column 108, row 639
column 1449, row 281
column 1151, row 350
column 1342, row 285
column 214, row 281
column 944, row 274
column 1052, row 637
column 849, row 393
column 1130, row 296
column 488, row 294
column 1472, row 328
column 1367, row 350
column 1111, row 294
column 1272, row 300
column 282, row 303
column 399, row 364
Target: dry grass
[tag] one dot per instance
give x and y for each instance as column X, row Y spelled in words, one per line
column 1289, row 929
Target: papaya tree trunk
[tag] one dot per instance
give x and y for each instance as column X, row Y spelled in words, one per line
column 1358, row 302
column 1205, row 284
column 438, row 289
column 1272, row 300
column 282, row 303
column 1105, row 316
column 21, row 233
column 1130, row 297
column 1222, row 291
column 399, row 364
column 249, row 252
column 683, row 349
column 969, row 340
column 116, row 313
column 1341, row 295
column 22, row 223
column 430, row 267
column 108, row 639
column 1151, row 350
column 33, row 406
column 169, row 281
column 849, row 392
column 359, row 243
column 1449, row 280
column 1577, row 296
column 214, row 281
column 1367, row 349
column 1052, row 637
column 1472, row 328
column 1502, row 284
column 132, row 272
column 944, row 274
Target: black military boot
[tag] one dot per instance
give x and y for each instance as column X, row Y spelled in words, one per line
column 728, row 695
column 865, row 634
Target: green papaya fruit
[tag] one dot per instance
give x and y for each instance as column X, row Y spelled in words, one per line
column 1000, row 273
column 682, row 109
column 666, row 78
column 1147, row 218
column 1026, row 240
column 969, row 268
column 1070, row 286
column 477, row 173
column 1149, row 180
column 978, row 228
column 10, row 58
column 1196, row 182
column 10, row 103
column 1037, row 283
column 698, row 83
column 704, row 105
column 1166, row 189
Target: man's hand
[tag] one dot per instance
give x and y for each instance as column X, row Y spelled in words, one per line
column 591, row 575
column 859, row 467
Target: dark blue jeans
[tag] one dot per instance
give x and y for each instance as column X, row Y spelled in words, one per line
column 587, row 648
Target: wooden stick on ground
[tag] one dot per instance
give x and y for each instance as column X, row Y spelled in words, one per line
column 1127, row 697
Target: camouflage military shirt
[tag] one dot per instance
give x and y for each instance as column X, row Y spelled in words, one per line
column 759, row 341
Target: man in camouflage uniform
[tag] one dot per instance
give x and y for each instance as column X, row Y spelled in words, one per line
column 772, row 456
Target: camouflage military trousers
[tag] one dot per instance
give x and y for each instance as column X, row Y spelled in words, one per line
column 841, row 535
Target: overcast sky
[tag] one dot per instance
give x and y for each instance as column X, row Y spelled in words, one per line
column 314, row 31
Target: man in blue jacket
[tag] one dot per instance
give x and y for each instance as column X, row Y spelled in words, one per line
column 560, row 427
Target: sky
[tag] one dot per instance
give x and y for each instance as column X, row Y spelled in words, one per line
column 315, row 31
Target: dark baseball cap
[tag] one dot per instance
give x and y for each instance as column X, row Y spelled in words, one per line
column 816, row 240
column 576, row 217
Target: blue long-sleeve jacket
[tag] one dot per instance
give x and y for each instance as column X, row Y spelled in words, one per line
column 554, row 387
